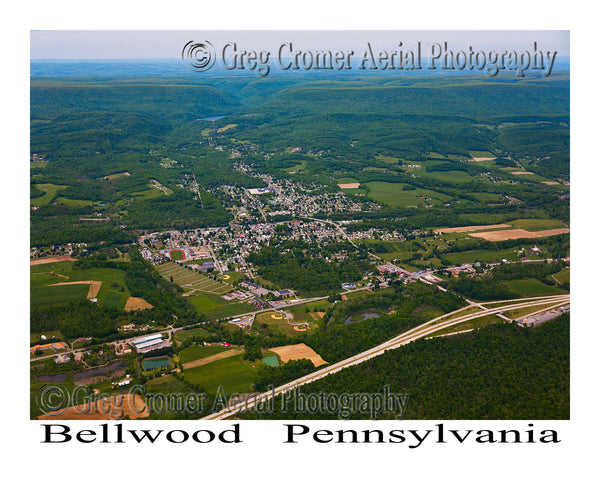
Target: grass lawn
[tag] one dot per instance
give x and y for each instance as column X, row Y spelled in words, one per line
column 532, row 287
column 563, row 276
column 208, row 301
column 166, row 384
column 471, row 324
column 194, row 352
column 200, row 333
column 112, row 279
column 485, row 256
column 50, row 191
column 297, row 168
column 233, row 374
column 274, row 325
column 36, row 337
column 537, row 224
column 393, row 195
column 45, row 275
column 457, row 176
column 75, row 203
column 481, row 154
column 58, row 294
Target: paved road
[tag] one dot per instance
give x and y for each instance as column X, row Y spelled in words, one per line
column 421, row 331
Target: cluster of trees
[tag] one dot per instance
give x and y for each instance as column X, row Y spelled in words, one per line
column 308, row 274
column 493, row 285
column 500, row 371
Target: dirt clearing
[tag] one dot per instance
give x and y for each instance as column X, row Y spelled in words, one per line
column 113, row 408
column 522, row 173
column 41, row 261
column 136, row 303
column 518, row 233
column 298, row 352
column 348, row 185
column 472, row 228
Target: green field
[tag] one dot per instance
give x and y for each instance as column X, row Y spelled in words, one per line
column 50, row 191
column 485, row 256
column 194, row 352
column 176, row 254
column 297, row 168
column 36, row 337
column 392, row 194
column 200, row 333
column 74, row 203
column 208, row 301
column 113, row 292
column 457, row 176
column 234, row 374
column 469, row 325
column 481, row 154
column 532, row 287
column 58, row 294
column 537, row 224
column 564, row 276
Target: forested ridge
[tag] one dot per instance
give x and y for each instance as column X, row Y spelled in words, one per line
column 501, row 371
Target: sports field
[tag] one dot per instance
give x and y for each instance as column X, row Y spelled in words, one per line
column 190, row 280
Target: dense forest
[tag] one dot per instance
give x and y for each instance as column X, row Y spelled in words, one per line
column 500, row 371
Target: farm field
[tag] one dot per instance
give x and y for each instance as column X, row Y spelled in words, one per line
column 515, row 233
column 234, row 374
column 56, row 280
column 532, row 287
column 229, row 352
column 195, row 352
column 564, row 276
column 472, row 228
column 45, row 260
column 190, row 280
column 297, row 352
column 58, row 294
column 485, row 256
column 392, row 194
column 133, row 303
column 537, row 224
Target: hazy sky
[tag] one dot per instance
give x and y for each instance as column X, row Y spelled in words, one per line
column 121, row 44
